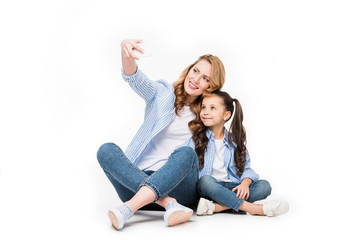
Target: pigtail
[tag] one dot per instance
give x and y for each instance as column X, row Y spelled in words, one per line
column 237, row 134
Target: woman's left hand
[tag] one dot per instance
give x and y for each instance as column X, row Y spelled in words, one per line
column 242, row 189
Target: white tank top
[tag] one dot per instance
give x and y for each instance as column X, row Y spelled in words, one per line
column 166, row 141
column 219, row 171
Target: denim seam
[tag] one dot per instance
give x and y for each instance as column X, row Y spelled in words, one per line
column 237, row 206
column 126, row 186
column 141, row 184
column 126, row 159
column 240, row 202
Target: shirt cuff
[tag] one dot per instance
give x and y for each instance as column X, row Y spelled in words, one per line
column 131, row 78
column 254, row 177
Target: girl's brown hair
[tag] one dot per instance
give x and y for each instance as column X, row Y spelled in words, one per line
column 236, row 134
column 217, row 80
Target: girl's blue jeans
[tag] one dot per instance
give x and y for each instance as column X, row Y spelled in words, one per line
column 221, row 192
column 177, row 178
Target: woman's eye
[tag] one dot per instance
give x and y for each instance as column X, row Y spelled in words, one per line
column 206, row 79
column 203, row 107
column 195, row 71
column 212, row 108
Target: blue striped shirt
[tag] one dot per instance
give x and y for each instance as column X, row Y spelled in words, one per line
column 159, row 97
column 229, row 161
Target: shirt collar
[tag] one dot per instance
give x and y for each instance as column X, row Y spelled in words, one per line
column 211, row 135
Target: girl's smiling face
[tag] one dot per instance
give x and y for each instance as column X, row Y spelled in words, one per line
column 213, row 113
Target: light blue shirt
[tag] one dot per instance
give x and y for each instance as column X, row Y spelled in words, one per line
column 159, row 111
column 229, row 161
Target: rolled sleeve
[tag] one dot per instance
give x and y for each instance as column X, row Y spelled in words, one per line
column 141, row 84
column 248, row 171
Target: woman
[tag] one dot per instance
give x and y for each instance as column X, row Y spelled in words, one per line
column 151, row 170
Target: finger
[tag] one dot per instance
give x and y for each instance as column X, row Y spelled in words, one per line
column 131, row 53
column 137, row 47
column 246, row 195
column 126, row 53
column 130, row 46
column 138, row 40
column 242, row 195
column 124, row 50
column 134, row 56
column 239, row 193
column 128, row 50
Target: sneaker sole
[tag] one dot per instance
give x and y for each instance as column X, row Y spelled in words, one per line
column 113, row 220
column 200, row 208
column 179, row 217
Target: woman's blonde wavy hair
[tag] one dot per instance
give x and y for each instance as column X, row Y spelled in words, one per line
column 217, row 80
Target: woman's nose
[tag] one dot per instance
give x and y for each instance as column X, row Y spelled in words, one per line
column 196, row 79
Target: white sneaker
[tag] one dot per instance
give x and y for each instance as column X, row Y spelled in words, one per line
column 275, row 208
column 177, row 213
column 205, row 207
column 116, row 218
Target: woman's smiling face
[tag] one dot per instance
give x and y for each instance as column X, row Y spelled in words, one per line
column 198, row 79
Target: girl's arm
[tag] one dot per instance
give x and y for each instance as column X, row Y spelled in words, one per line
column 248, row 171
column 247, row 182
column 247, row 177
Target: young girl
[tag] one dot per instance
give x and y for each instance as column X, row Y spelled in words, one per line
column 225, row 174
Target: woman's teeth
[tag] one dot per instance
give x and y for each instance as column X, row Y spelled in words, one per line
column 192, row 85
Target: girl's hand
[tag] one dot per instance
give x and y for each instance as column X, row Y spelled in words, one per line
column 243, row 191
column 127, row 47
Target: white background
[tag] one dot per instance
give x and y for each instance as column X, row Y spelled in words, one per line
column 294, row 66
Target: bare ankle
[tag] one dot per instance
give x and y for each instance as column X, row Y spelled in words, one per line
column 252, row 208
column 260, row 211
column 220, row 208
column 163, row 201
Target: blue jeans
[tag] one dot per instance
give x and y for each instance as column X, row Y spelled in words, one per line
column 177, row 178
column 221, row 192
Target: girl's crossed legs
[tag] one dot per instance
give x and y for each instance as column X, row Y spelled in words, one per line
column 223, row 196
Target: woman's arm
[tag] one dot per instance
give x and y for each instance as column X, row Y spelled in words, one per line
column 128, row 56
column 138, row 81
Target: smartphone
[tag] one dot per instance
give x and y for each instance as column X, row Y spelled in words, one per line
column 147, row 46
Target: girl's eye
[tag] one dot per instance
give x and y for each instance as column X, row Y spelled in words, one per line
column 195, row 71
column 212, row 108
column 206, row 79
column 202, row 107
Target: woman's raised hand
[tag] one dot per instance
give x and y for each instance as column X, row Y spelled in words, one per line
column 128, row 56
column 128, row 46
